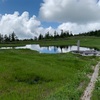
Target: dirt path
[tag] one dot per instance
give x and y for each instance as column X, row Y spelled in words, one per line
column 88, row 92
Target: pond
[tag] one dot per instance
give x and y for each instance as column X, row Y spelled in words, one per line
column 49, row 49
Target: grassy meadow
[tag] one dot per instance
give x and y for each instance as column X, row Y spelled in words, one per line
column 96, row 92
column 88, row 41
column 28, row 75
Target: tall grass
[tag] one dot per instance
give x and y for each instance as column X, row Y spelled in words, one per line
column 96, row 92
column 28, row 75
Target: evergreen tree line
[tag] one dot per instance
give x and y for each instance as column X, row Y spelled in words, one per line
column 91, row 33
column 8, row 38
column 64, row 34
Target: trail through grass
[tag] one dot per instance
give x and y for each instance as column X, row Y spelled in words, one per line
column 96, row 92
column 89, row 89
column 28, row 75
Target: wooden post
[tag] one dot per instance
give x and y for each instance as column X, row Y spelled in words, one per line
column 78, row 45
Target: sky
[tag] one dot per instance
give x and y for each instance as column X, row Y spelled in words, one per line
column 29, row 18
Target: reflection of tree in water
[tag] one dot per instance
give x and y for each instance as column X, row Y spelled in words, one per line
column 67, row 47
column 59, row 49
column 55, row 48
column 63, row 47
column 70, row 47
column 48, row 48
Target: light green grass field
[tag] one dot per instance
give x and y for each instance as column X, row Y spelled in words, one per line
column 28, row 75
column 84, row 41
column 96, row 92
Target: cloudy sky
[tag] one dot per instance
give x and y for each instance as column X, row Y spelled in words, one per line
column 29, row 18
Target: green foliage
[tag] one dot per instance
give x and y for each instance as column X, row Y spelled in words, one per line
column 48, row 36
column 96, row 92
column 40, row 37
column 28, row 75
column 91, row 33
column 11, row 38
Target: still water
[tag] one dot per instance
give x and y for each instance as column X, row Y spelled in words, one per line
column 50, row 49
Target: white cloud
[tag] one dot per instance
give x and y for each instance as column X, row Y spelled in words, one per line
column 23, row 25
column 75, row 15
column 76, row 28
column 75, row 11
column 28, row 27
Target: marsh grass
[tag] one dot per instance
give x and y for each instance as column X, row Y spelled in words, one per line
column 28, row 75
column 85, row 41
column 96, row 92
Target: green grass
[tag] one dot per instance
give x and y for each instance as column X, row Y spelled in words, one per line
column 28, row 75
column 96, row 92
column 85, row 41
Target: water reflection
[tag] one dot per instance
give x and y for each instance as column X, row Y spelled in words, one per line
column 49, row 49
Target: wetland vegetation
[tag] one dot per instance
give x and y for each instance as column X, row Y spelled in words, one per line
column 28, row 75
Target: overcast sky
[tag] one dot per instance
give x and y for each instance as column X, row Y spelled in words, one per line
column 29, row 18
